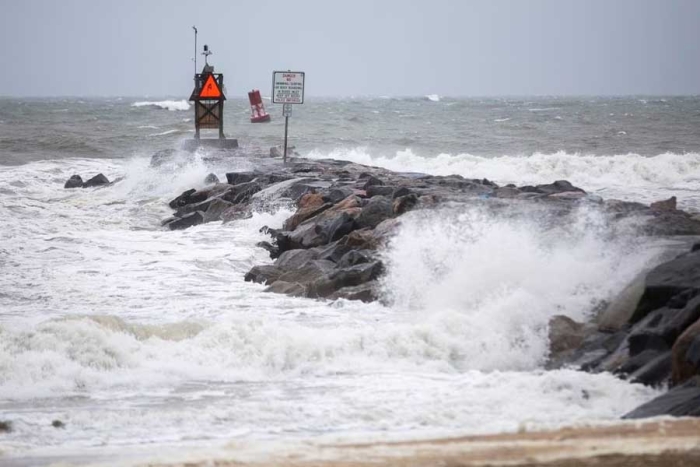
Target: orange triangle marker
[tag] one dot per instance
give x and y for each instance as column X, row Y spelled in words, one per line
column 210, row 88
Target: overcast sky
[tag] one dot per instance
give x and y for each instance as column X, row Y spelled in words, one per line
column 353, row 47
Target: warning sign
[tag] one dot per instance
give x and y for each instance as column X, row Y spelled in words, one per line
column 210, row 89
column 288, row 87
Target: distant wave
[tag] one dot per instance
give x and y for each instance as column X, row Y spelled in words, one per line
column 501, row 119
column 168, row 132
column 433, row 97
column 168, row 105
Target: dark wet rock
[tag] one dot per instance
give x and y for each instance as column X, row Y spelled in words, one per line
column 324, row 228
column 660, row 328
column 5, row 426
column 671, row 223
column 188, row 197
column 309, row 272
column 638, row 361
column 507, row 192
column 665, row 205
column 371, row 181
column 215, row 210
column 379, row 190
column 681, row 401
column 401, row 191
column 270, row 248
column 236, row 178
column 559, row 186
column 377, row 210
column 211, row 179
column 58, row 424
column 265, row 274
column 655, row 373
column 367, row 292
column 292, row 289
column 345, row 277
column 75, row 181
column 97, row 180
column 188, row 220
column 403, row 204
column 354, row 257
column 686, row 354
column 241, row 193
column 295, row 259
column 337, row 194
column 667, row 280
column 334, row 251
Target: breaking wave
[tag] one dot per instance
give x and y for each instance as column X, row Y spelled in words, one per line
column 167, row 105
column 626, row 176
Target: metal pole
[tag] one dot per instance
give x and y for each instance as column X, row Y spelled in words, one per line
column 195, row 51
column 286, row 125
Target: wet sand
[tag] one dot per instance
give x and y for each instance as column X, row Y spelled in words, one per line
column 667, row 443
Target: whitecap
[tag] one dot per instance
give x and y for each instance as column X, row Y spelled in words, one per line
column 168, row 105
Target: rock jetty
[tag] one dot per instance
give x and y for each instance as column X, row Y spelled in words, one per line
column 345, row 213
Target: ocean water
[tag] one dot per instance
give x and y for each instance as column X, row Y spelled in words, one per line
column 137, row 338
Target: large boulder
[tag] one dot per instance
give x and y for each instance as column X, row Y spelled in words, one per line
column 309, row 272
column 97, row 180
column 681, row 401
column 377, row 210
column 236, row 178
column 660, row 328
column 565, row 335
column 241, row 193
column 668, row 280
column 75, row 181
column 559, row 186
column 367, row 292
column 618, row 312
column 265, row 274
column 295, row 259
column 189, row 220
column 345, row 277
column 686, row 355
column 309, row 205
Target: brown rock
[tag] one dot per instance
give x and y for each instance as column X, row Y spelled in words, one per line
column 665, row 205
column 310, row 200
column 681, row 368
column 565, row 334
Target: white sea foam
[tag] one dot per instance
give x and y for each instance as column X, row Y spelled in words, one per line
column 126, row 330
column 168, row 105
column 501, row 119
column 433, row 97
column 625, row 176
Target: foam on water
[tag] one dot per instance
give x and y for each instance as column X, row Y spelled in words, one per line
column 124, row 331
column 625, row 176
column 167, row 105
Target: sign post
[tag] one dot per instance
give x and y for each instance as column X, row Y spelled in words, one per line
column 287, row 89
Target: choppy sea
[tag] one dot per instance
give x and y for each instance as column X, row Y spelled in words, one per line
column 141, row 339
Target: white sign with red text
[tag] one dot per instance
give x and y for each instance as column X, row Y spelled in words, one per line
column 287, row 87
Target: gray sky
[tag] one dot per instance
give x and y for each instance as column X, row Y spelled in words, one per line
column 353, row 47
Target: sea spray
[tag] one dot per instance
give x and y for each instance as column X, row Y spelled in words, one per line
column 490, row 281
